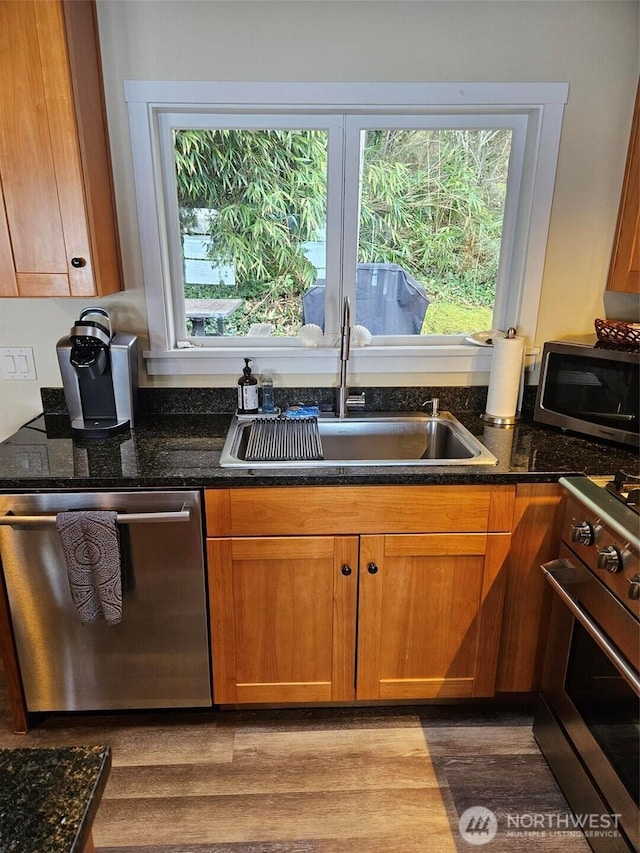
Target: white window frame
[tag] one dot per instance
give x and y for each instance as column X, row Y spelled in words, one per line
column 170, row 121
column 533, row 110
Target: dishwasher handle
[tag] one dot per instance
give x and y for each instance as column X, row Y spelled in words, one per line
column 183, row 514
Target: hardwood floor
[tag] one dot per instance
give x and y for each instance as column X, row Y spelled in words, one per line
column 357, row 780
column 485, row 755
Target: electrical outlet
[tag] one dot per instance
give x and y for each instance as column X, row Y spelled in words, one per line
column 17, row 363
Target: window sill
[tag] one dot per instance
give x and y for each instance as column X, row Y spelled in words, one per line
column 406, row 360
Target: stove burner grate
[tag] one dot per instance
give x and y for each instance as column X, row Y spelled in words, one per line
column 626, row 488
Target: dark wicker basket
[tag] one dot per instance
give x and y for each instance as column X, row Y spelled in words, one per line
column 618, row 332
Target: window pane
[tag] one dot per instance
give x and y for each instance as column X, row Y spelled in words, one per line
column 252, row 207
column 431, row 215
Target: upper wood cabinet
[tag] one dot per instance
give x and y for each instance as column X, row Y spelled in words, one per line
column 624, row 272
column 58, row 232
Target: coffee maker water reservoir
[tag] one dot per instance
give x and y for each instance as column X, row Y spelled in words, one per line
column 100, row 375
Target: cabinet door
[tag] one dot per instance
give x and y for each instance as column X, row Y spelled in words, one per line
column 283, row 616
column 8, row 286
column 624, row 272
column 54, row 165
column 429, row 615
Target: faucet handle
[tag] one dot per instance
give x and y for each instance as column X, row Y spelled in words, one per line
column 434, row 402
column 356, row 401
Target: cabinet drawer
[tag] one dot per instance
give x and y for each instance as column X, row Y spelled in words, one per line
column 301, row 510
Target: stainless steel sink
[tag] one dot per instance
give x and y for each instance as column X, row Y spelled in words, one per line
column 371, row 439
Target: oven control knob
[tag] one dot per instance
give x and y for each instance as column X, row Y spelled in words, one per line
column 582, row 533
column 634, row 587
column 609, row 560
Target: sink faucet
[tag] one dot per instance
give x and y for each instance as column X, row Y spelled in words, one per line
column 434, row 403
column 344, row 400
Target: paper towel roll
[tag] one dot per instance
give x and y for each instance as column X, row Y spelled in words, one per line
column 506, row 375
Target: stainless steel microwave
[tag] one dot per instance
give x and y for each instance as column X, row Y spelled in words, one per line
column 590, row 389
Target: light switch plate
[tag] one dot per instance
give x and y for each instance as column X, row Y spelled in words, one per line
column 17, row 363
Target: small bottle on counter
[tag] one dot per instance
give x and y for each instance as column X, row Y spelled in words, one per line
column 268, row 407
column 247, row 391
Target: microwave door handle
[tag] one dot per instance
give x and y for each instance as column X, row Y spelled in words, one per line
column 590, row 627
column 612, row 416
column 183, row 514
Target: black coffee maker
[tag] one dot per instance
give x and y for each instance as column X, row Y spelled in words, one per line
column 100, row 375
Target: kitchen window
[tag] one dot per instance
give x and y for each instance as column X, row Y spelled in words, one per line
column 262, row 206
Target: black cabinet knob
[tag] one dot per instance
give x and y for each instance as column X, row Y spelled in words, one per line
column 372, row 569
column 346, row 569
column 78, row 262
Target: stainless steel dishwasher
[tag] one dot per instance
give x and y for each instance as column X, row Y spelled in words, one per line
column 158, row 655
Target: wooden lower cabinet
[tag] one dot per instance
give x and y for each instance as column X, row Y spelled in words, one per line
column 428, row 607
column 283, row 618
column 355, row 616
column 535, row 540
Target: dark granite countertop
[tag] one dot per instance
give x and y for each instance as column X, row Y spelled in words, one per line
column 49, row 797
column 176, row 443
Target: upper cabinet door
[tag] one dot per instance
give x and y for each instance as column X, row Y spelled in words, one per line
column 58, row 231
column 624, row 272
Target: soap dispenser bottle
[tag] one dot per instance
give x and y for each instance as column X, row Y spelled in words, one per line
column 247, row 391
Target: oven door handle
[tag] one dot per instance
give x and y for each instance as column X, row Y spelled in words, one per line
column 590, row 627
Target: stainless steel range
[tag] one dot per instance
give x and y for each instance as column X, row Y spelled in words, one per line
column 588, row 723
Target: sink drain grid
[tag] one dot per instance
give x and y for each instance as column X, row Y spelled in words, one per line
column 284, row 440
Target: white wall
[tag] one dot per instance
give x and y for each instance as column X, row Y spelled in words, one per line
column 592, row 45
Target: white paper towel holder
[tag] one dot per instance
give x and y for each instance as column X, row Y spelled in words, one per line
column 494, row 420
